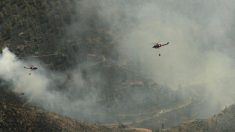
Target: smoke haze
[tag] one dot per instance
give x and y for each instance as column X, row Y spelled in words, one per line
column 201, row 49
column 200, row 54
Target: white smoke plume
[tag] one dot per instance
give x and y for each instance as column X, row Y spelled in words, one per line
column 39, row 87
column 12, row 69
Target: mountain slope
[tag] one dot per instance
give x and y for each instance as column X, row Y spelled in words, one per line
column 223, row 122
column 54, row 33
column 16, row 115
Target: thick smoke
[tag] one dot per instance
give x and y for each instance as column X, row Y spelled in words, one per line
column 13, row 70
column 200, row 53
column 39, row 87
column 200, row 33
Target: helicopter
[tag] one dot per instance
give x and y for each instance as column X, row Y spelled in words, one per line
column 158, row 45
column 31, row 67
